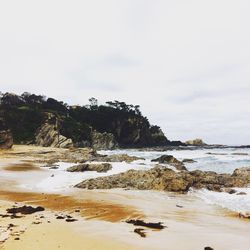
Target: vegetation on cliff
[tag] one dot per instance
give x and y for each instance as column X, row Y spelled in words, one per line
column 25, row 114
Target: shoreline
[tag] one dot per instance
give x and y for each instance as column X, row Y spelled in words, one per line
column 103, row 214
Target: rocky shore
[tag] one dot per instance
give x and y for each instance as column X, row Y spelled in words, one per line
column 162, row 178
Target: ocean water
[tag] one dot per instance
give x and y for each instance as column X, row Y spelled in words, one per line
column 217, row 160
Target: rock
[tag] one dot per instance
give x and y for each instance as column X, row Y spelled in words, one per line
column 6, row 138
column 209, row 153
column 141, row 232
column 231, row 191
column 59, row 217
column 241, row 193
column 239, row 154
column 188, row 161
column 70, row 220
column 157, row 225
column 118, row 158
column 103, row 141
column 243, row 173
column 101, row 167
column 208, row 248
column 48, row 135
column 195, row 142
column 161, row 178
column 169, row 159
column 25, row 210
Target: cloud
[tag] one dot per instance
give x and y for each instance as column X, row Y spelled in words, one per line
column 185, row 62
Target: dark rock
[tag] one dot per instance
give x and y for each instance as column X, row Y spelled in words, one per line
column 179, row 206
column 141, row 232
column 244, row 216
column 25, row 210
column 189, row 161
column 60, row 217
column 241, row 193
column 239, row 154
column 70, row 220
column 157, row 225
column 208, row 248
column 231, row 191
column 101, row 167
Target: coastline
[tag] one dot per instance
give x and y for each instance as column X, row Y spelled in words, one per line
column 101, row 221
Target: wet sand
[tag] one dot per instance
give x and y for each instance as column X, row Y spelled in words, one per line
column 190, row 223
column 90, row 209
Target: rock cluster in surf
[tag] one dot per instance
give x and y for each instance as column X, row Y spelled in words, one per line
column 162, row 178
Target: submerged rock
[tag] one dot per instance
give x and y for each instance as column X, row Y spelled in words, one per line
column 171, row 160
column 160, row 178
column 101, row 167
column 188, row 161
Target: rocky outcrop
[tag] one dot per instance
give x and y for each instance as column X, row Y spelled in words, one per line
column 6, row 138
column 160, row 178
column 196, row 142
column 100, row 168
column 169, row 159
column 117, row 158
column 105, row 141
column 48, row 134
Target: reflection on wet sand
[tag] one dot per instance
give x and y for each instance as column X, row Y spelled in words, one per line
column 90, row 209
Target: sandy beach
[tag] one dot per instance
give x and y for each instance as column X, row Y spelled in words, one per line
column 99, row 216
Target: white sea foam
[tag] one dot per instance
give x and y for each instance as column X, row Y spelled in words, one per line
column 234, row 202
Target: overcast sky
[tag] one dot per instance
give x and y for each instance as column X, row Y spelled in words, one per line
column 186, row 62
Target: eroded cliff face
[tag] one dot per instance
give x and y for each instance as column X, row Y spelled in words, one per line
column 137, row 132
column 6, row 138
column 105, row 141
column 48, row 134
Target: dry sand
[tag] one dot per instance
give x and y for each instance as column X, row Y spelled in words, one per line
column 101, row 215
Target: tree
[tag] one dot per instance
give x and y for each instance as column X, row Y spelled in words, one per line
column 93, row 103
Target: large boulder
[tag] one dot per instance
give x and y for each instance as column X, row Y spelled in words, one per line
column 101, row 167
column 105, row 141
column 161, row 178
column 48, row 134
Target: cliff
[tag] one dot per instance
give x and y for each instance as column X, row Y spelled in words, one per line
column 47, row 122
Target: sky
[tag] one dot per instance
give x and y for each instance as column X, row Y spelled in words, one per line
column 185, row 62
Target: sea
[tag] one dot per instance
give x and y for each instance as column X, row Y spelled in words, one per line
column 220, row 160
